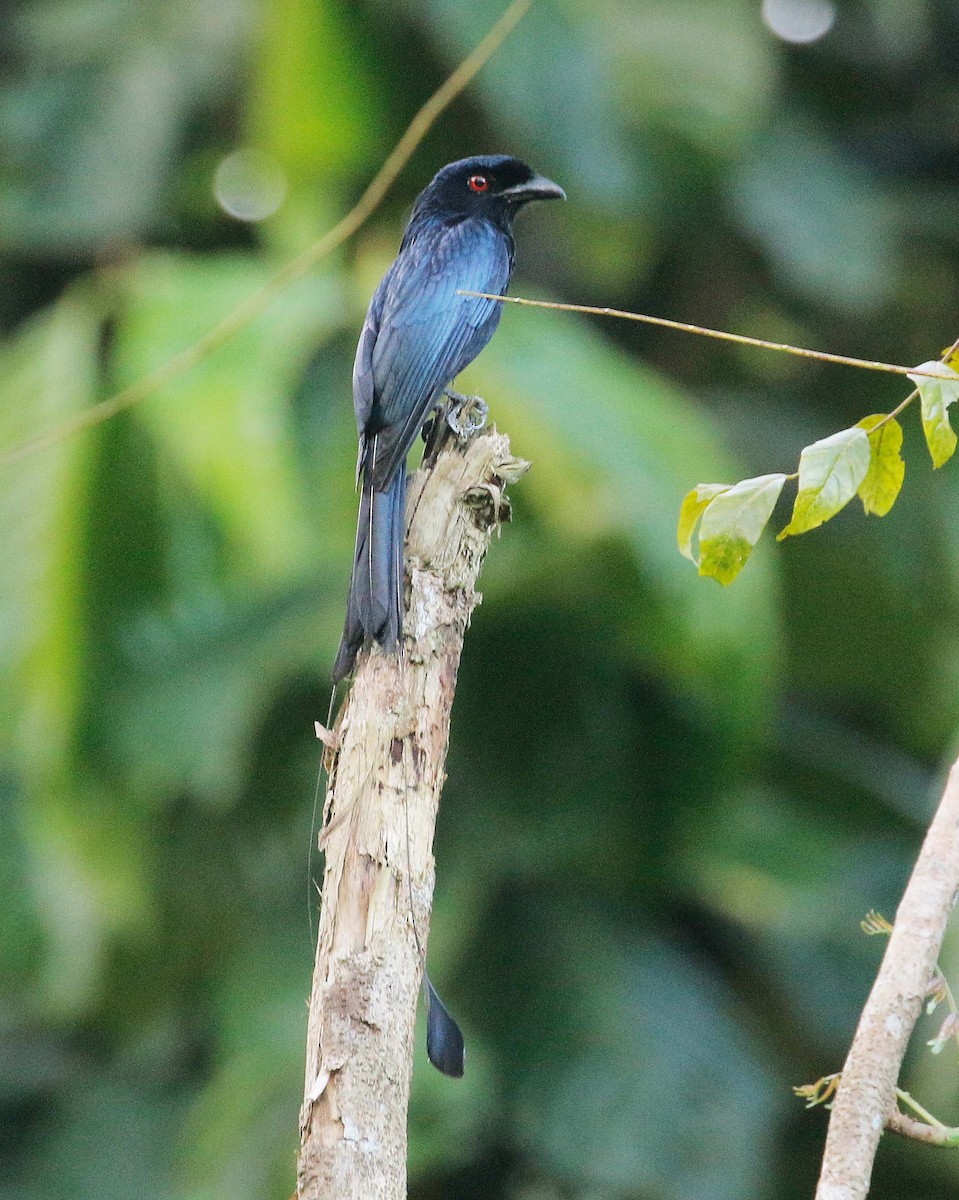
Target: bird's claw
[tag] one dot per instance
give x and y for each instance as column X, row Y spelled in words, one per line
column 466, row 415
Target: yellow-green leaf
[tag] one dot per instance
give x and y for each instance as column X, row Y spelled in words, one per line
column 935, row 396
column 830, row 472
column 878, row 491
column 693, row 507
column 732, row 523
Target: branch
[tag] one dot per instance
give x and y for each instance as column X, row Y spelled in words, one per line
column 922, row 1131
column 381, row 802
column 866, row 1098
column 741, row 339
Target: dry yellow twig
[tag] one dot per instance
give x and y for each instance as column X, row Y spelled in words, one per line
column 703, row 331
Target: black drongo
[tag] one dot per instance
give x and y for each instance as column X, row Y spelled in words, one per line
column 418, row 335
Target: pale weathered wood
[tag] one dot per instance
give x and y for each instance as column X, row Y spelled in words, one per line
column 381, row 807
column 866, row 1097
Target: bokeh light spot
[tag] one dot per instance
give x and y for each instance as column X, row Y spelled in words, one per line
column 249, row 185
column 799, row 21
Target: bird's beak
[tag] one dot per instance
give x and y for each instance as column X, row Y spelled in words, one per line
column 537, row 188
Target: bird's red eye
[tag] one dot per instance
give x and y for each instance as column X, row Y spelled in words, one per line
column 478, row 183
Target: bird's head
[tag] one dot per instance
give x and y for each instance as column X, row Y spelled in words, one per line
column 494, row 186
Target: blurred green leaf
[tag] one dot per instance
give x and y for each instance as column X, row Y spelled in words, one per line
column 195, row 690
column 241, row 1137
column 830, row 473
column 20, row 926
column 312, row 91
column 108, row 1140
column 704, row 71
column 49, row 373
column 880, row 487
column 225, row 424
column 936, row 396
column 616, row 460
column 733, row 523
column 792, row 881
column 823, row 221
column 571, row 127
column 651, row 1086
column 83, row 875
column 92, row 122
column 240, row 542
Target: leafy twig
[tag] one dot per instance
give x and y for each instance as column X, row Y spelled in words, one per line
column 864, row 460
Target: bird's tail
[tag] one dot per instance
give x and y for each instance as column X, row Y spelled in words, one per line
column 374, row 608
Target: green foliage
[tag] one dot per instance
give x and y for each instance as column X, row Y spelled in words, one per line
column 732, row 523
column 668, row 804
column 224, row 428
column 864, row 460
column 693, row 507
column 92, row 122
column 935, row 397
column 621, row 477
column 826, row 230
column 49, row 373
column 312, row 89
column 831, row 472
column 606, row 1107
column 882, row 481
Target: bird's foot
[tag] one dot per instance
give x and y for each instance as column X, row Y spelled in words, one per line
column 466, row 415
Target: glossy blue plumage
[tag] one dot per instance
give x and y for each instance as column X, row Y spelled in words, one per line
column 418, row 335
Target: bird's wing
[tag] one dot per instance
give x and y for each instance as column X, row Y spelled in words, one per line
column 363, row 363
column 426, row 333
